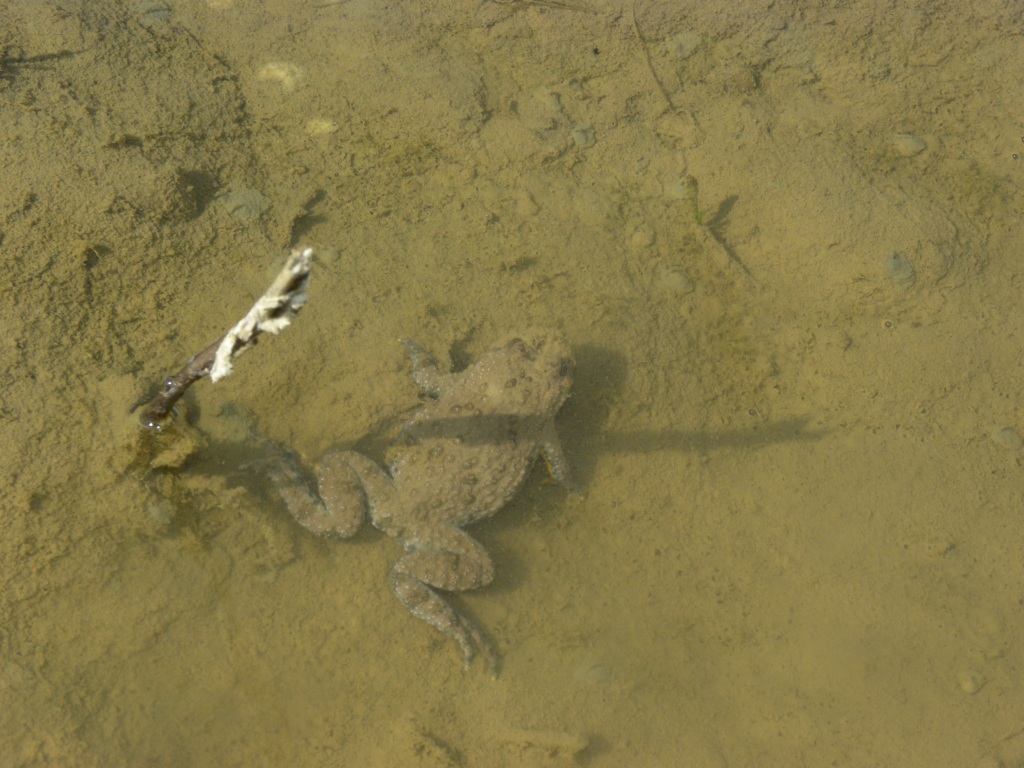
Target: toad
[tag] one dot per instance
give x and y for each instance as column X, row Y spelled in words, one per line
column 459, row 460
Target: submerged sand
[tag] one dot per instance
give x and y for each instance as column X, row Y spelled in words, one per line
column 796, row 419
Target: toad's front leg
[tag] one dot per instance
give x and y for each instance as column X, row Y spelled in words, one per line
column 453, row 562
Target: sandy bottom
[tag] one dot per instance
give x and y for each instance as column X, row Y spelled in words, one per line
column 785, row 243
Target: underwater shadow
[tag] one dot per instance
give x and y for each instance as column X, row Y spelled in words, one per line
column 600, row 379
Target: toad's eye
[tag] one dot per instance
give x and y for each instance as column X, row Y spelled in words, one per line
column 564, row 367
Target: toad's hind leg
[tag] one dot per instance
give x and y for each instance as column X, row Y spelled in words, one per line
column 458, row 563
column 340, row 507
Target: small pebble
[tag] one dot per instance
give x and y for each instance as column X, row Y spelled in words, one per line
column 908, row 145
column 284, row 73
column 160, row 512
column 642, row 237
column 970, row 681
column 1008, row 438
column 675, row 279
column 321, row 127
column 592, row 673
column 684, row 44
column 900, row 270
column 153, row 14
column 676, row 189
column 583, row 136
column 549, row 101
column 244, row 204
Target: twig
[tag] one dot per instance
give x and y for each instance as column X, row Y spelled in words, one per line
column 271, row 313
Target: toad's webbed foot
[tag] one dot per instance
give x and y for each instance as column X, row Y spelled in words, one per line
column 424, row 603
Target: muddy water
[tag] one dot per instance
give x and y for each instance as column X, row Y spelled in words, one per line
column 784, row 242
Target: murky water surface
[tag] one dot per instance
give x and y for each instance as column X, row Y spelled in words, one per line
column 784, row 241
